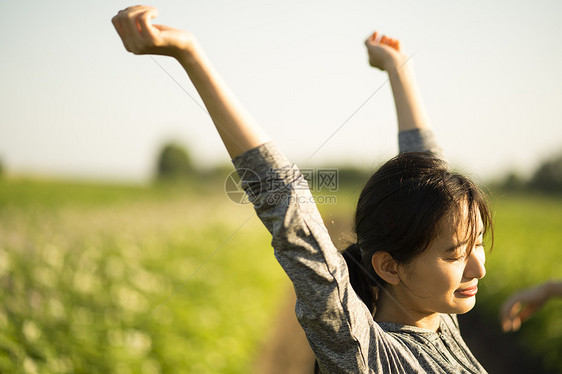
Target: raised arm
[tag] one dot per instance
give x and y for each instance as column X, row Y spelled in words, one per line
column 339, row 327
column 237, row 129
column 415, row 132
column 385, row 54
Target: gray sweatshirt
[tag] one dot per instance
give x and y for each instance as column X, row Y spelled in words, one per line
column 338, row 325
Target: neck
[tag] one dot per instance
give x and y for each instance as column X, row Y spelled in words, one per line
column 390, row 309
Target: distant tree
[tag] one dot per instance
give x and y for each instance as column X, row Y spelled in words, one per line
column 349, row 175
column 1, row 169
column 513, row 182
column 173, row 163
column 548, row 176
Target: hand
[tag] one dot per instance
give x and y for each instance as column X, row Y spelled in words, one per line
column 385, row 53
column 522, row 305
column 140, row 36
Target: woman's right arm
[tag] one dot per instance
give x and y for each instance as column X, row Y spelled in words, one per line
column 237, row 129
column 338, row 325
column 414, row 130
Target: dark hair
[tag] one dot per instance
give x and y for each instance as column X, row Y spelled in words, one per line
column 401, row 206
column 359, row 277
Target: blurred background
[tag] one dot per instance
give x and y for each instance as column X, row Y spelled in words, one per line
column 119, row 249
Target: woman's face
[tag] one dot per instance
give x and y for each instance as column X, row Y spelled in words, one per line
column 444, row 278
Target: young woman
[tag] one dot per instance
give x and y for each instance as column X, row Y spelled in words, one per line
column 419, row 227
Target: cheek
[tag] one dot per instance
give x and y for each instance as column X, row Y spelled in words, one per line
column 451, row 274
column 435, row 278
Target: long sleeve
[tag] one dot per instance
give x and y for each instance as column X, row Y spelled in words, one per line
column 418, row 140
column 338, row 325
column 335, row 320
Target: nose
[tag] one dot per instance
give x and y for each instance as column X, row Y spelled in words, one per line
column 475, row 265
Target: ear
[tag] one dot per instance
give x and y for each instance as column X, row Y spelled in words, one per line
column 386, row 267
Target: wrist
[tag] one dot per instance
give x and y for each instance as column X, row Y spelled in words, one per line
column 401, row 76
column 189, row 53
column 396, row 64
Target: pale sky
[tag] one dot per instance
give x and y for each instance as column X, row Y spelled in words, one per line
column 74, row 103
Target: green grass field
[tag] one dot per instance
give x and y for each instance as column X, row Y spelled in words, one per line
column 109, row 279
column 178, row 279
column 527, row 251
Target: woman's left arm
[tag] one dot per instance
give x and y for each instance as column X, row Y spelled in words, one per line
column 414, row 130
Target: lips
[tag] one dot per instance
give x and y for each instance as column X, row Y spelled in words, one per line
column 467, row 292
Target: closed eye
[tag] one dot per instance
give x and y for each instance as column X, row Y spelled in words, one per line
column 456, row 255
column 459, row 258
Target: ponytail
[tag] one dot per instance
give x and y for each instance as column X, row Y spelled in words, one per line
column 360, row 278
